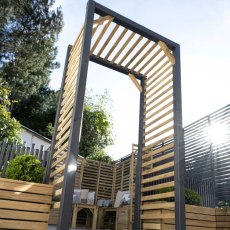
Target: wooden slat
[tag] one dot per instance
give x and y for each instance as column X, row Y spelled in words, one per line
column 73, row 58
column 167, row 90
column 201, row 210
column 169, row 120
column 58, row 192
column 149, row 61
column 158, row 216
column 158, row 159
column 58, row 181
column 101, row 35
column 70, row 84
column 169, row 104
column 158, row 196
column 134, row 80
column 72, row 67
column 24, row 196
column 199, row 216
column 21, row 215
column 138, row 52
column 153, row 75
column 158, row 186
column 66, row 108
column 159, row 177
column 144, row 56
column 152, row 226
column 130, row 50
column 59, row 170
column 22, row 186
column 68, row 99
column 152, row 91
column 159, row 134
column 167, row 52
column 101, row 20
column 24, row 225
column 169, row 137
column 162, row 101
column 63, row 157
column 159, row 150
column 60, row 150
column 26, row 206
column 163, row 86
column 56, row 205
column 158, row 168
column 76, row 45
column 64, row 124
column 115, row 44
column 123, row 47
column 159, row 205
column 62, row 140
column 158, row 118
column 108, row 40
column 155, row 65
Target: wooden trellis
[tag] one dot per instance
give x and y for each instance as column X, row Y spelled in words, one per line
column 116, row 42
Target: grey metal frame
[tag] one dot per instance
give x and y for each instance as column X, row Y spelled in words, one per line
column 137, row 224
column 69, row 175
column 179, row 159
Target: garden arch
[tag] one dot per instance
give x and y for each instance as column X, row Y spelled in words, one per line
column 153, row 64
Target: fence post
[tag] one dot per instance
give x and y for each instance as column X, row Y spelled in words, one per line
column 2, row 153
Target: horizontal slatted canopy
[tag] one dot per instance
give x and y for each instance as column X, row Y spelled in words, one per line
column 128, row 52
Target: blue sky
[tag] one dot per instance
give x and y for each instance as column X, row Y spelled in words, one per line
column 201, row 27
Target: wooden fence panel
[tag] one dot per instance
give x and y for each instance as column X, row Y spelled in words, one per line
column 24, row 205
column 9, row 151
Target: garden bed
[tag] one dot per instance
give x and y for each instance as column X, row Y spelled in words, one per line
column 24, row 205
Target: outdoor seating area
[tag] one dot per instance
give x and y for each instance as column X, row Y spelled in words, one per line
column 103, row 194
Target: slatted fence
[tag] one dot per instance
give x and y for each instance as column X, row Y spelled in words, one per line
column 9, row 151
column 207, row 151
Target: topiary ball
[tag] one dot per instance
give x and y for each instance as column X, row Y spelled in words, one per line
column 25, row 168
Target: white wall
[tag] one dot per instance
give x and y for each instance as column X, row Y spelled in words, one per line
column 31, row 138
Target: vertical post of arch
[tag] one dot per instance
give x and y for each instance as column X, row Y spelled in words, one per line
column 179, row 160
column 65, row 212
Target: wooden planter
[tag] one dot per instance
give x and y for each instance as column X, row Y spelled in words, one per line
column 24, row 205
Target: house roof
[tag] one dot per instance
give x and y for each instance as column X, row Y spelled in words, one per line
column 36, row 134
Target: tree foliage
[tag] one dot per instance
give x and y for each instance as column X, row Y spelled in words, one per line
column 96, row 128
column 9, row 127
column 38, row 111
column 28, row 32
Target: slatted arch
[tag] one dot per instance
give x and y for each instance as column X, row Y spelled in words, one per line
column 127, row 51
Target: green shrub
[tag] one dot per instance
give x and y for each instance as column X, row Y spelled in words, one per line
column 191, row 197
column 25, row 168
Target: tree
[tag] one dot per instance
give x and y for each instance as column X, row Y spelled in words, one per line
column 38, row 111
column 9, row 127
column 96, row 128
column 28, row 32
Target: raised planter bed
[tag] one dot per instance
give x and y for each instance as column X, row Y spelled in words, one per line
column 197, row 218
column 24, row 205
